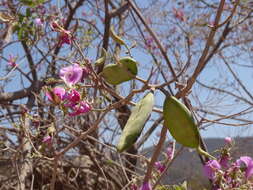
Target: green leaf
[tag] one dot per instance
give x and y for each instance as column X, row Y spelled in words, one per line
column 180, row 123
column 136, row 122
column 20, row 33
column 102, row 59
column 28, row 12
column 130, row 64
column 124, row 71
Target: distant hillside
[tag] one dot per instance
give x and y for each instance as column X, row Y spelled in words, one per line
column 188, row 166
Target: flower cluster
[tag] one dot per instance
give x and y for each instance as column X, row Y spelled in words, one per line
column 12, row 61
column 225, row 174
column 160, row 167
column 38, row 22
column 149, row 43
column 179, row 14
column 65, row 35
column 70, row 99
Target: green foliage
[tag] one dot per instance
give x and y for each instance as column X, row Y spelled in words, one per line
column 32, row 3
column 136, row 121
column 24, row 26
column 124, row 71
column 182, row 186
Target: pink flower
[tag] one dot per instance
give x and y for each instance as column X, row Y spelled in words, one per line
column 228, row 140
column 41, row 9
column 47, row 139
column 134, row 187
column 56, row 27
column 170, row 153
column 82, row 107
column 71, row 74
column 60, row 92
column 74, row 96
column 179, row 14
column 56, row 95
column 38, row 22
column 146, row 186
column 224, row 160
column 149, row 42
column 65, row 38
column 160, row 167
column 248, row 165
column 65, row 35
column 12, row 61
column 210, row 168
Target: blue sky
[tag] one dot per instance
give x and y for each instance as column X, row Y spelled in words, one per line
column 210, row 74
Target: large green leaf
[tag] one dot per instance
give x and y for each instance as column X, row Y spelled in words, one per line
column 180, row 123
column 124, row 71
column 136, row 122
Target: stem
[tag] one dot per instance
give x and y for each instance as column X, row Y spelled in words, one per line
column 156, row 154
column 204, row 153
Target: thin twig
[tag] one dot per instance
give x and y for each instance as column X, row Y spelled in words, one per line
column 156, row 154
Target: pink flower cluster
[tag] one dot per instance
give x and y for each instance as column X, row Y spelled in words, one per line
column 149, row 43
column 38, row 22
column 179, row 14
column 65, row 35
column 226, row 174
column 71, row 74
column 12, row 61
column 159, row 166
column 70, row 99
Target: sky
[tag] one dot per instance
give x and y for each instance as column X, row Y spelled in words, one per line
column 209, row 74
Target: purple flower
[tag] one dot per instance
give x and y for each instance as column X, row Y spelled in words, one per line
column 82, row 107
column 12, row 61
column 65, row 38
column 55, row 26
column 71, row 74
column 74, row 96
column 160, row 167
column 179, row 14
column 134, row 187
column 248, row 165
column 47, row 139
column 38, row 22
column 65, row 35
column 41, row 9
column 224, row 161
column 149, row 42
column 56, row 95
column 60, row 92
column 146, row 186
column 210, row 168
column 170, row 153
column 228, row 140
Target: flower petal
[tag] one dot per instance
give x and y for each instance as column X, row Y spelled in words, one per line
column 146, row 186
column 210, row 168
column 71, row 74
column 248, row 162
